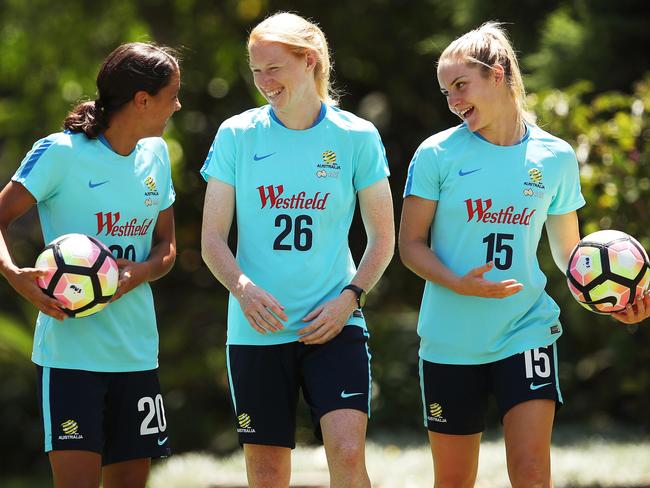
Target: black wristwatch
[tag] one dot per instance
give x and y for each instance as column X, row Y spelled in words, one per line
column 361, row 294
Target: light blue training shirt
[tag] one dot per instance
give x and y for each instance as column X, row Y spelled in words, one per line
column 83, row 186
column 492, row 203
column 295, row 195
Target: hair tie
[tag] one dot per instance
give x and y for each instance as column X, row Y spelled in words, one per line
column 99, row 105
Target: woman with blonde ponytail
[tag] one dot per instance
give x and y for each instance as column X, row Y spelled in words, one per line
column 291, row 172
column 97, row 375
column 482, row 192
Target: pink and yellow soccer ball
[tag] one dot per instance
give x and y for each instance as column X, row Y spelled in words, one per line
column 81, row 274
column 607, row 270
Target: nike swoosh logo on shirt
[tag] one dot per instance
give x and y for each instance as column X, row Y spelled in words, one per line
column 162, row 441
column 259, row 158
column 348, row 395
column 534, row 387
column 95, row 185
column 465, row 173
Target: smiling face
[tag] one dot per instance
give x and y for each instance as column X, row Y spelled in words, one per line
column 284, row 79
column 163, row 104
column 471, row 94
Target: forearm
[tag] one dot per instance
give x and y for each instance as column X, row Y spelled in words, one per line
column 15, row 200
column 7, row 264
column 374, row 261
column 223, row 265
column 420, row 258
column 563, row 235
column 161, row 260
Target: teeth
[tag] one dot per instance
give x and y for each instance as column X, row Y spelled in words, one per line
column 274, row 93
column 463, row 112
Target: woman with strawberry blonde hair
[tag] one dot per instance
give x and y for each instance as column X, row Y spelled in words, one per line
column 291, row 171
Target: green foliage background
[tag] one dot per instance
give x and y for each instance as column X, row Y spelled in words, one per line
column 586, row 67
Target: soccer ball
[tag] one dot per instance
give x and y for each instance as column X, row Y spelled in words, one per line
column 81, row 273
column 607, row 270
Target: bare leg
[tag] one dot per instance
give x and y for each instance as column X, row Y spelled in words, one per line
column 127, row 474
column 344, row 436
column 267, row 466
column 75, row 469
column 527, row 430
column 455, row 459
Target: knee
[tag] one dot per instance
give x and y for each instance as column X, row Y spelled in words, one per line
column 266, row 475
column 267, row 471
column 530, row 473
column 348, row 454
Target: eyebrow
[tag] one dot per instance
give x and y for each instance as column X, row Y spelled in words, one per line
column 444, row 91
column 273, row 62
column 456, row 79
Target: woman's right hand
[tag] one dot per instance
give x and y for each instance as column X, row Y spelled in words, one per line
column 23, row 280
column 260, row 308
column 474, row 284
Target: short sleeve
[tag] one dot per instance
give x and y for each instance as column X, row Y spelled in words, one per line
column 371, row 164
column 42, row 169
column 568, row 196
column 170, row 194
column 423, row 177
column 220, row 162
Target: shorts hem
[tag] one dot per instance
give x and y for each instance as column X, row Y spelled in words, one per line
column 456, row 432
column 270, row 443
column 72, row 448
column 351, row 407
column 558, row 405
column 127, row 457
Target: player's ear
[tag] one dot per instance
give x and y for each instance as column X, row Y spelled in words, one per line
column 141, row 100
column 311, row 59
column 499, row 73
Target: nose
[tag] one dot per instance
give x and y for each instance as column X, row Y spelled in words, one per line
column 262, row 80
column 452, row 101
column 178, row 105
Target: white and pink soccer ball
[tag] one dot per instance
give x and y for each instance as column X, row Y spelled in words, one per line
column 81, row 273
column 607, row 270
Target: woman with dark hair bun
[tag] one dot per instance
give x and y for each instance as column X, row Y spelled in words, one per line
column 106, row 175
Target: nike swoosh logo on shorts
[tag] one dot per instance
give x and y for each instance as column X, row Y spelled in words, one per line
column 95, row 185
column 534, row 387
column 348, row 395
column 465, row 173
column 162, row 441
column 259, row 158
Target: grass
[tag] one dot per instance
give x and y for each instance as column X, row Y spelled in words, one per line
column 586, row 460
column 581, row 459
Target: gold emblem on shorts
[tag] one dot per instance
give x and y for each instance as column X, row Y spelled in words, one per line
column 70, row 427
column 435, row 413
column 244, row 420
column 435, row 410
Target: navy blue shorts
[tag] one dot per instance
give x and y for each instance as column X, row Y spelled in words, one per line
column 118, row 415
column 265, row 382
column 455, row 396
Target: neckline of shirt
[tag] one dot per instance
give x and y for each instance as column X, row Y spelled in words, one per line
column 523, row 139
column 102, row 138
column 319, row 119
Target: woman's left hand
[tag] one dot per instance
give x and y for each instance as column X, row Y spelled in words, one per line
column 132, row 274
column 327, row 320
column 636, row 312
